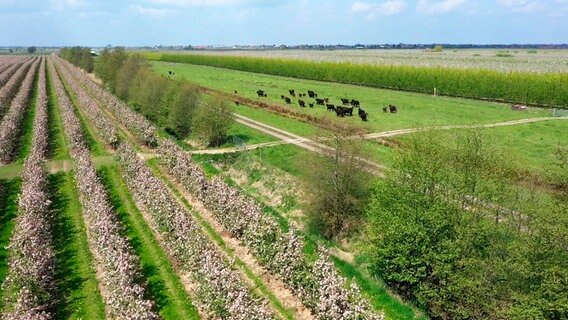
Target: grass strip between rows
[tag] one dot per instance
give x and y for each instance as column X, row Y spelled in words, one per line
column 77, row 286
column 164, row 285
column 57, row 145
column 24, row 144
column 9, row 190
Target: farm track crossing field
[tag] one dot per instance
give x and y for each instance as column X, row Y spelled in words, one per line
column 414, row 109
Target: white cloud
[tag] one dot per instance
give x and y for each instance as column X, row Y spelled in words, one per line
column 152, row 12
column 525, row 5
column 436, row 7
column 373, row 10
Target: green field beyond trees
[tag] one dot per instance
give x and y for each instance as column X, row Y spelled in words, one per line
column 518, row 87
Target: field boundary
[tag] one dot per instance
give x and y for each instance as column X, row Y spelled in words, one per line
column 522, row 87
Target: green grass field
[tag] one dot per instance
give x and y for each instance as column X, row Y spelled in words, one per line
column 23, row 146
column 415, row 110
column 9, row 190
column 531, row 145
column 247, row 135
column 77, row 286
column 57, row 145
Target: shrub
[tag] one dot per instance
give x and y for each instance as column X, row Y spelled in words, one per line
column 211, row 122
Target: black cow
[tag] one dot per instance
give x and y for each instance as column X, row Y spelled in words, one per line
column 320, row 101
column 311, row 105
column 392, row 108
column 363, row 115
column 282, row 96
column 261, row 93
column 343, row 111
column 170, row 72
column 344, row 101
column 311, row 94
column 302, row 103
column 360, row 112
column 326, row 100
column 236, row 92
column 237, row 102
column 292, row 92
column 330, row 107
column 288, row 100
column 355, row 103
column 386, row 109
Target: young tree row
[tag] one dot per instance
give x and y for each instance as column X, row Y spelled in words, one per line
column 175, row 106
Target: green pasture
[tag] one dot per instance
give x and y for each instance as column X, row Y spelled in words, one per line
column 532, row 145
column 518, row 87
column 414, row 110
column 248, row 135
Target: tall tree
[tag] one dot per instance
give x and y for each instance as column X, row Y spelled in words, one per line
column 212, row 120
column 336, row 184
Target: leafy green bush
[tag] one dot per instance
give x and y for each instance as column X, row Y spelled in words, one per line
column 449, row 230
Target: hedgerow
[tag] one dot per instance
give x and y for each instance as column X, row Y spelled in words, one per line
column 519, row 87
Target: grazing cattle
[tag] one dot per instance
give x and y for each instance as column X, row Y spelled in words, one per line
column 360, row 112
column 170, row 72
column 292, row 92
column 343, row 111
column 330, row 107
column 363, row 115
column 282, row 97
column 326, row 100
column 320, row 101
column 288, row 100
column 312, row 94
column 261, row 93
column 392, row 108
column 311, row 105
column 237, row 102
column 236, row 92
column 355, row 103
column 344, row 101
column 302, row 103
column 386, row 109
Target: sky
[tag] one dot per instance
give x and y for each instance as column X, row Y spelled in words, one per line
column 254, row 22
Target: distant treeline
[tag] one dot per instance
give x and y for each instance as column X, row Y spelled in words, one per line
column 514, row 87
column 79, row 56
